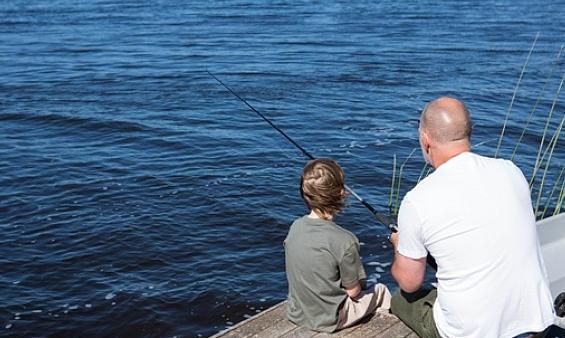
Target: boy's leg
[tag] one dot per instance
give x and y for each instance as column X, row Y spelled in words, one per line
column 415, row 310
column 367, row 302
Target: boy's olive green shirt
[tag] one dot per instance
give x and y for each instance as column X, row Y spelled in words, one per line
column 322, row 259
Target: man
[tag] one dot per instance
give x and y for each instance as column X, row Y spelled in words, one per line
column 323, row 266
column 474, row 216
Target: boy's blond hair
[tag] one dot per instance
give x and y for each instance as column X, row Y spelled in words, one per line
column 322, row 186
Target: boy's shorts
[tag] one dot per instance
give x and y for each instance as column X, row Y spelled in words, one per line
column 364, row 304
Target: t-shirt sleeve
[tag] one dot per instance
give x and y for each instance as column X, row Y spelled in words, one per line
column 350, row 267
column 410, row 241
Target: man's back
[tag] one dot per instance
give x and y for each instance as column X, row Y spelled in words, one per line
column 474, row 216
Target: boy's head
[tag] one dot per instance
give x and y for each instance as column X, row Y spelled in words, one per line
column 322, row 186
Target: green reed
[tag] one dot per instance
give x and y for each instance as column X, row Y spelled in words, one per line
column 542, row 164
column 560, row 200
column 532, row 113
column 392, row 190
column 514, row 96
column 400, row 179
column 555, row 139
column 555, row 186
column 539, row 158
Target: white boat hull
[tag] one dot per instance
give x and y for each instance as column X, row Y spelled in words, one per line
column 552, row 239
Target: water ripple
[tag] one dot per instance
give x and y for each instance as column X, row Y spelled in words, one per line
column 135, row 189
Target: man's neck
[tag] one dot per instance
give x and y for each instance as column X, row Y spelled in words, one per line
column 444, row 153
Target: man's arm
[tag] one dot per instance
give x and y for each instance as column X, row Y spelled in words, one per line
column 408, row 272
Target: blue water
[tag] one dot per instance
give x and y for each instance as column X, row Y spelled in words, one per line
column 139, row 198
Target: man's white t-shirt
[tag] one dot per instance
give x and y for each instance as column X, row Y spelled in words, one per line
column 474, row 216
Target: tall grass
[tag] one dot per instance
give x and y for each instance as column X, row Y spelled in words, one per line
column 555, row 186
column 561, row 199
column 544, row 203
column 551, row 145
column 539, row 158
column 392, row 189
column 532, row 113
column 514, row 96
column 396, row 187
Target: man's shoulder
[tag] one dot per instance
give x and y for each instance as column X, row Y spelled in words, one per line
column 444, row 174
column 425, row 187
column 492, row 161
column 499, row 165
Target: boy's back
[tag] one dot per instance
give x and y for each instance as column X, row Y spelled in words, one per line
column 323, row 267
column 321, row 259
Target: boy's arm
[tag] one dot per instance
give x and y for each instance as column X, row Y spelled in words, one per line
column 354, row 291
column 351, row 271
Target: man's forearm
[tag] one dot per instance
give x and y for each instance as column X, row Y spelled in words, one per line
column 408, row 272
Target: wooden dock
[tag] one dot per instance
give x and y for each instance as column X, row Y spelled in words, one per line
column 272, row 323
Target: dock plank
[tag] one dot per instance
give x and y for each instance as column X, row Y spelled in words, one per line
column 272, row 323
column 379, row 323
column 255, row 324
column 339, row 334
column 398, row 329
column 300, row 332
column 276, row 330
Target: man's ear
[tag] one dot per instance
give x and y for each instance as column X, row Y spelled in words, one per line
column 424, row 140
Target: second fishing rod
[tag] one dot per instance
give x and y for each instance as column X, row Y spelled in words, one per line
column 383, row 219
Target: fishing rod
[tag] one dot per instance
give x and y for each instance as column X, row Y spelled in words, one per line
column 385, row 220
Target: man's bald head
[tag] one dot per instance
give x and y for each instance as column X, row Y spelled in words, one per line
column 446, row 120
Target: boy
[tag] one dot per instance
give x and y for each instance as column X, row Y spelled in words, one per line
column 323, row 266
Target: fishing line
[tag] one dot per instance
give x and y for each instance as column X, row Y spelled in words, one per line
column 385, row 220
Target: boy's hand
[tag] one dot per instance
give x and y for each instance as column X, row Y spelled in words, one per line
column 354, row 291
